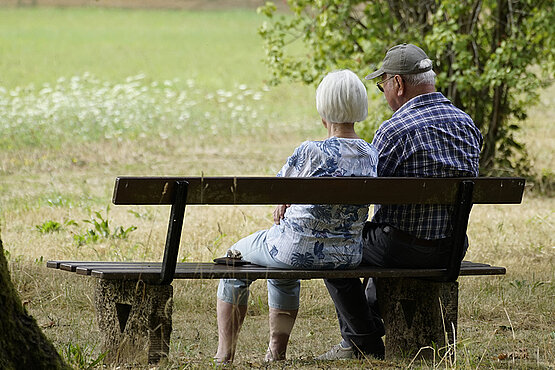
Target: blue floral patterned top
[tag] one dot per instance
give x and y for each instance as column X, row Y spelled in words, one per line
column 323, row 236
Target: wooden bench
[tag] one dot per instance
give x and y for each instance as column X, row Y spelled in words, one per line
column 419, row 306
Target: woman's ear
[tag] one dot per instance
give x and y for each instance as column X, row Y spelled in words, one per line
column 325, row 123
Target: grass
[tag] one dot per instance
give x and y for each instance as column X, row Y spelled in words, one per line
column 90, row 94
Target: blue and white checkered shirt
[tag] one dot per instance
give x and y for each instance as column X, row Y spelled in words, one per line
column 427, row 137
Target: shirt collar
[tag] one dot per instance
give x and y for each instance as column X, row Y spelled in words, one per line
column 421, row 100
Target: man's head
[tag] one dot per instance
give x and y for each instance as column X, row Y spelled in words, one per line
column 341, row 98
column 406, row 72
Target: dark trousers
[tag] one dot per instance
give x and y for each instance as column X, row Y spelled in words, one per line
column 356, row 305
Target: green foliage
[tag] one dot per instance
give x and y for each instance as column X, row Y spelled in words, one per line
column 101, row 230
column 367, row 129
column 215, row 244
column 58, row 201
column 81, row 357
column 524, row 284
column 491, row 56
column 49, row 227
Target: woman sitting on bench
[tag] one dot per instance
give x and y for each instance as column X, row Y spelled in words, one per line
column 305, row 236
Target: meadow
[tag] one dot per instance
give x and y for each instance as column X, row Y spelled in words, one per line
column 88, row 94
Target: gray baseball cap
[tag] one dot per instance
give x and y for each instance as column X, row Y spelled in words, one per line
column 403, row 59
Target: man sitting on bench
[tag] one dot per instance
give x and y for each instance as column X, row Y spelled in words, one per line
column 426, row 137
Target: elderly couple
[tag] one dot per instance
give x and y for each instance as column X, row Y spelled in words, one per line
column 426, row 137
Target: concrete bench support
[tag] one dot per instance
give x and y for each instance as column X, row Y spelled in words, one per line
column 417, row 313
column 134, row 319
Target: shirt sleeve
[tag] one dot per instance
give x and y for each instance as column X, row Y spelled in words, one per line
column 295, row 163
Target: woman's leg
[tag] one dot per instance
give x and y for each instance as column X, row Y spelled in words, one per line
column 231, row 307
column 283, row 299
column 230, row 319
column 281, row 325
column 232, row 301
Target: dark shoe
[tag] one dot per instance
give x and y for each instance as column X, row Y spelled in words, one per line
column 376, row 350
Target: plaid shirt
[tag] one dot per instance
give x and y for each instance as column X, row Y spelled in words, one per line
column 427, row 137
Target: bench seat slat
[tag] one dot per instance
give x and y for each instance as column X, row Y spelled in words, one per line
column 86, row 269
column 150, row 271
column 71, row 266
column 57, row 264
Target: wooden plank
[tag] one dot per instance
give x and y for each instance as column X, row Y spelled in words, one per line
column 320, row 190
column 483, row 270
column 85, row 269
column 73, row 265
column 212, row 271
column 153, row 276
column 150, row 271
column 57, row 264
column 53, row 264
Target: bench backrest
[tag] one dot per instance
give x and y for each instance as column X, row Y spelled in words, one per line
column 180, row 191
column 314, row 190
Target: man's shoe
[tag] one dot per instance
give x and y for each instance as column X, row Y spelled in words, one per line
column 377, row 349
column 337, row 352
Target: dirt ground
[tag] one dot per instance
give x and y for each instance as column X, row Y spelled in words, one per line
column 165, row 4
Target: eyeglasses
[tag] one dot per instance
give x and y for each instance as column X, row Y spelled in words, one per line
column 380, row 83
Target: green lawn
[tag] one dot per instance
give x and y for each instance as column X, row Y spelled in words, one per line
column 218, row 48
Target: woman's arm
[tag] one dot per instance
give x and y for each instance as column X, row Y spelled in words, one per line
column 291, row 168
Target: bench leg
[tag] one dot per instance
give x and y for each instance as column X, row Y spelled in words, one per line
column 417, row 314
column 135, row 320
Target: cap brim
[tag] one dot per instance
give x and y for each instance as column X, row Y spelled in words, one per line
column 373, row 75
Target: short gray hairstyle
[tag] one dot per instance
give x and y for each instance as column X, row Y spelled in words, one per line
column 425, row 78
column 341, row 98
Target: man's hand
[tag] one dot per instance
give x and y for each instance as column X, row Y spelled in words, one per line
column 279, row 212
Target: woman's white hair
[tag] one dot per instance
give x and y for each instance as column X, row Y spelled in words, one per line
column 341, row 98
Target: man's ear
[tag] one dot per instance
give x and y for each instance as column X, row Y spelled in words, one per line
column 401, row 83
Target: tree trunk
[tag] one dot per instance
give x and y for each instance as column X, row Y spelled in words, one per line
column 498, row 114
column 22, row 343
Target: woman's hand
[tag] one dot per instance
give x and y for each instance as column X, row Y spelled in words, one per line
column 279, row 212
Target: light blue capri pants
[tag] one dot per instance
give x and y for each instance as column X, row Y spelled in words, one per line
column 282, row 293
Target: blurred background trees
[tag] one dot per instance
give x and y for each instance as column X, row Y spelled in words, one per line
column 491, row 56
